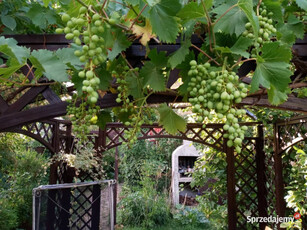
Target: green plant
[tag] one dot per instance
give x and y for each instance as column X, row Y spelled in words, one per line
column 24, row 170
column 191, row 216
column 145, row 206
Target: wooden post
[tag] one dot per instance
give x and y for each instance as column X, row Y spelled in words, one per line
column 96, row 207
column 231, row 190
column 261, row 177
column 116, row 184
column 279, row 183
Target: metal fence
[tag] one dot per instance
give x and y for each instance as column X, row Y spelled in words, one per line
column 74, row 206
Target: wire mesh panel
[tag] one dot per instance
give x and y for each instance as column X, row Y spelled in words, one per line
column 77, row 206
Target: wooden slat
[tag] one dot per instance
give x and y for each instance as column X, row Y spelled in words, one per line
column 25, row 99
column 51, row 96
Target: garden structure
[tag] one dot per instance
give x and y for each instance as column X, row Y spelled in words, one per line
column 260, row 186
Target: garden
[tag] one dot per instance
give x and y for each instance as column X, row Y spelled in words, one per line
column 153, row 114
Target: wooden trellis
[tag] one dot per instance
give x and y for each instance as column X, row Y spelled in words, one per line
column 248, row 173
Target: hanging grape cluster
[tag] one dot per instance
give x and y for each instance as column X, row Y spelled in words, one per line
column 218, row 91
column 138, row 113
column 83, row 118
column 86, row 30
column 266, row 28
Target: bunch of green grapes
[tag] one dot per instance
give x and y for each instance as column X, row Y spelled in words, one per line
column 266, row 28
column 86, row 32
column 82, row 118
column 218, row 91
column 139, row 114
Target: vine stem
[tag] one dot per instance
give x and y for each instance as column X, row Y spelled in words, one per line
column 207, row 55
column 137, row 17
column 258, row 6
column 240, row 62
column 230, row 8
column 82, row 3
column 210, row 27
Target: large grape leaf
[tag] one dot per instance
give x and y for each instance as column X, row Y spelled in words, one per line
column 144, row 32
column 275, row 8
column 7, row 72
column 231, row 23
column 192, row 11
column 152, row 71
column 41, row 16
column 121, row 44
column 9, row 47
column 162, row 19
column 273, row 72
column 179, row 55
column 47, row 63
column 170, row 120
column 302, row 4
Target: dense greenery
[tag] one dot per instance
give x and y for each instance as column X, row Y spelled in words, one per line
column 21, row 170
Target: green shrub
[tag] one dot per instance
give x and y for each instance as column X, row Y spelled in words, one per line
column 24, row 170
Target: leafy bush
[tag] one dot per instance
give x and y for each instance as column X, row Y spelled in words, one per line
column 191, row 216
column 24, row 170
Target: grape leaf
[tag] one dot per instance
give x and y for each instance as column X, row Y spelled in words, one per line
column 276, row 97
column 159, row 59
column 272, row 71
column 275, row 8
column 104, row 75
column 121, row 44
column 231, row 23
column 170, row 120
column 275, row 73
column 103, row 118
column 7, row 72
column 161, row 16
column 179, row 55
column 247, row 7
column 192, row 11
column 41, row 16
column 153, row 76
column 8, row 21
column 135, row 85
column 46, row 62
column 302, row 4
column 78, row 82
column 66, row 55
column 241, row 46
column 275, row 52
column 152, row 70
column 9, row 47
column 144, row 32
column 288, row 32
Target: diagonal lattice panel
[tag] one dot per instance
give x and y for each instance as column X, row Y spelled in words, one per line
column 246, row 184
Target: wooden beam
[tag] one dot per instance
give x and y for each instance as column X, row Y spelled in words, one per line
column 292, row 104
column 3, row 105
column 32, row 115
column 51, row 96
column 25, row 99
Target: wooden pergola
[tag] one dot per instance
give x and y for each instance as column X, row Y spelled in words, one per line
column 19, row 113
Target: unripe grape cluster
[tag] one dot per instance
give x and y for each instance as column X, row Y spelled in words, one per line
column 266, row 29
column 218, row 91
column 138, row 112
column 83, row 118
column 85, row 30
